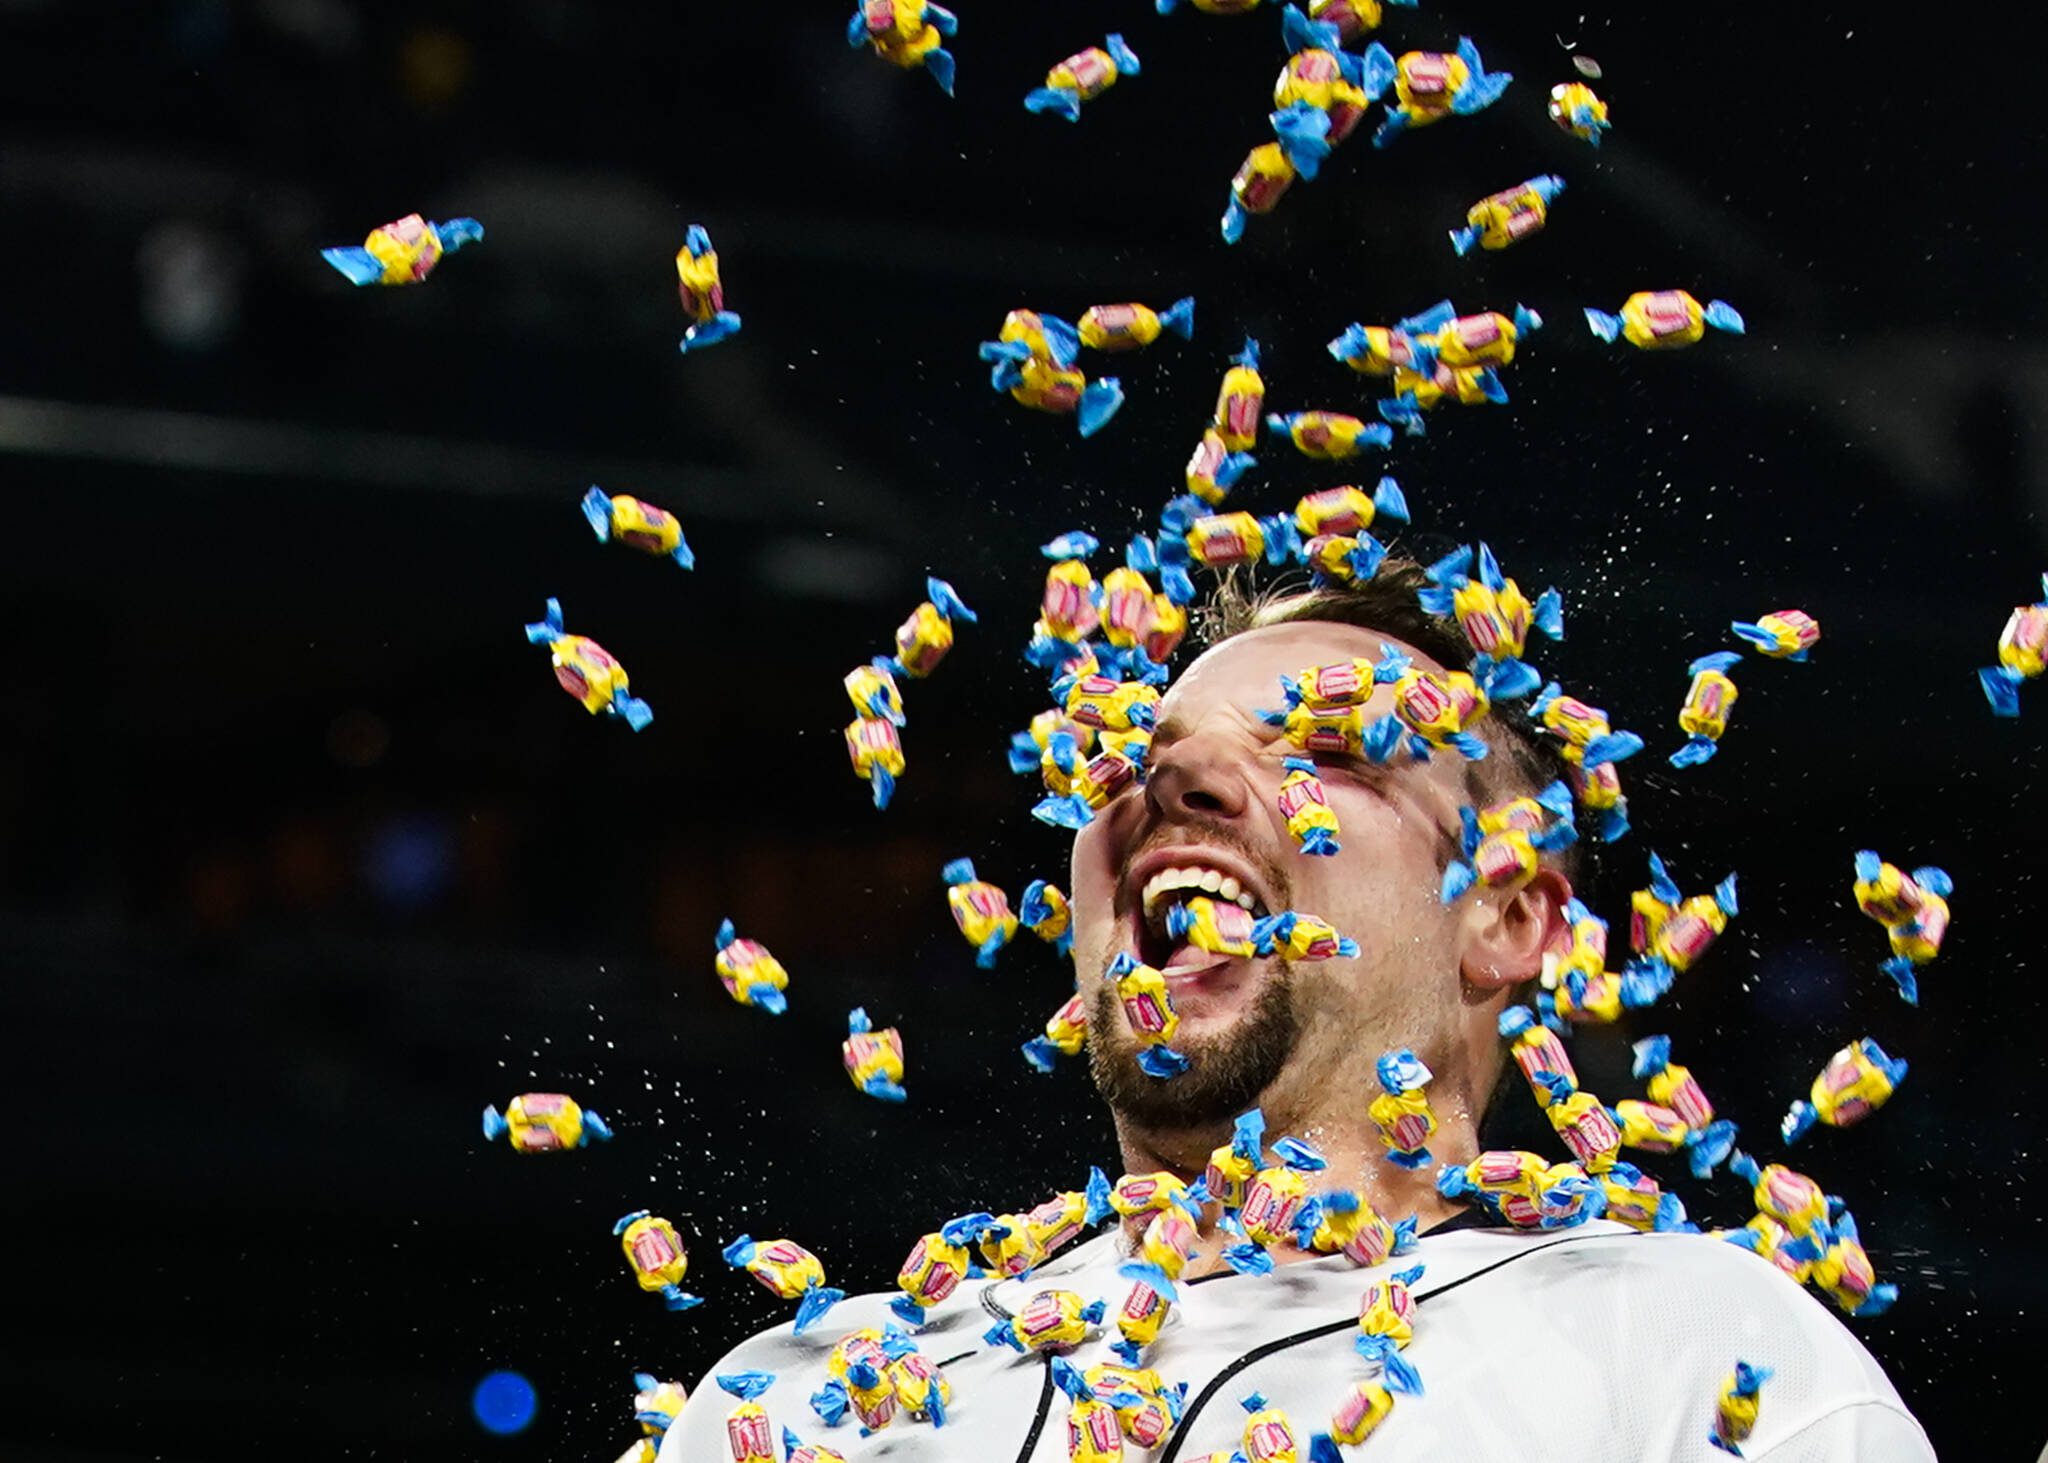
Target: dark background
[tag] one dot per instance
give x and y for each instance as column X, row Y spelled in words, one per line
column 304, row 858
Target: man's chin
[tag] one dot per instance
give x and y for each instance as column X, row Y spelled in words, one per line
column 1238, row 1030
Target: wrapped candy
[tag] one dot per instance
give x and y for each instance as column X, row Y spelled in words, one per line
column 748, row 1437
column 1045, row 385
column 1066, row 1032
column 655, row 1252
column 1535, row 1048
column 1028, row 747
column 1708, row 702
column 1785, row 1194
column 1575, row 108
column 1356, row 1418
column 1218, row 540
column 1108, row 704
column 2022, row 655
column 1577, row 986
column 1485, row 339
column 703, row 293
column 1913, row 908
column 1664, row 320
column 1669, row 932
column 1259, row 184
column 1339, row 732
column 796, row 1450
column 637, row 525
column 1633, row 1198
column 1306, row 806
column 1840, row 1268
column 1334, row 558
column 1062, row 1218
column 1401, row 1111
column 1232, row 1166
column 1146, row 1408
column 1509, row 216
column 1083, row 77
column 1346, row 1224
column 1429, row 86
column 403, row 251
column 1044, row 911
column 1318, row 98
column 1079, row 787
column 874, row 1059
column 1349, row 510
column 1769, row 1240
column 1350, row 20
column 1386, row 1324
column 1010, row 1247
column 1854, row 1084
column 1052, row 1321
column 1131, row 326
column 875, row 748
column 1215, row 925
column 1591, row 747
column 587, row 671
column 1034, row 333
column 1736, row 1408
column 906, row 33
column 1149, row 1009
column 923, row 640
column 1504, row 844
column 1406, row 345
column 1276, row 1202
column 1495, row 616
column 1674, row 1087
column 980, row 909
column 935, row 1266
column 789, row 1270
column 1093, row 1432
column 1150, row 1193
column 1651, row 1126
column 1524, row 1189
column 1416, row 393
column 1434, row 710
column 1581, row 1120
column 656, row 1405
column 1240, row 400
column 750, row 975
column 1329, row 435
column 544, row 1122
column 872, row 689
column 1213, row 469
column 1296, row 937
column 857, row 1377
column 1139, row 1321
column 1067, row 614
column 1781, row 634
column 1269, row 1435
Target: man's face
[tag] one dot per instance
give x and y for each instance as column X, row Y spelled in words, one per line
column 1208, row 821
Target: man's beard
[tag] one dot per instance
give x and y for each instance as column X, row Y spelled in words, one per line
column 1226, row 1073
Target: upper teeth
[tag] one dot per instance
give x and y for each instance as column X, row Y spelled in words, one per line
column 1200, row 880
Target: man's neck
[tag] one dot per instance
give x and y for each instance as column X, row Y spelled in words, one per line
column 1357, row 1161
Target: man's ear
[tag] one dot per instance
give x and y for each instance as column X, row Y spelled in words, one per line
column 1506, row 931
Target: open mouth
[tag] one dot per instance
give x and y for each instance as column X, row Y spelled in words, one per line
column 1174, row 885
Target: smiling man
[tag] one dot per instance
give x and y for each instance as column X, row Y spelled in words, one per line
column 1596, row 1342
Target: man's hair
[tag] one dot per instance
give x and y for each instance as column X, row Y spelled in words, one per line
column 1524, row 758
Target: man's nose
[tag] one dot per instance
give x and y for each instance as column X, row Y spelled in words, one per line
column 1198, row 776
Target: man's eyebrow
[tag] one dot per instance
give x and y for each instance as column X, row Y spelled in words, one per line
column 1169, row 729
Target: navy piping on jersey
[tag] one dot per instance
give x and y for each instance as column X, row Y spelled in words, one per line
column 1468, row 1219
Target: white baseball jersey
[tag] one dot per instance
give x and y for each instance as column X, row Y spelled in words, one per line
column 1597, row 1344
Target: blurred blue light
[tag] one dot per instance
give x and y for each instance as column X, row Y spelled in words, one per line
column 503, row 1403
column 410, row 860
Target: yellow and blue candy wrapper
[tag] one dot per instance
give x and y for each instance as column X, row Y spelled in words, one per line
column 1130, row 326
column 1855, row 1083
column 751, row 975
column 587, row 671
column 1535, row 1047
column 1580, row 1120
column 1575, row 108
column 1785, row 1194
column 1913, row 908
column 1509, row 216
column 980, row 909
column 1468, row 586
column 637, row 525
column 1083, row 77
column 1146, row 1408
column 1213, row 469
column 1215, row 541
column 1240, row 400
column 1502, row 844
column 544, row 1122
column 872, row 689
column 403, row 251
column 1269, row 1435
column 655, row 1252
column 1034, row 333
column 1407, row 345
column 1781, row 634
column 875, row 748
column 1296, row 937
column 1079, row 785
column 2022, row 654
column 1232, row 1165
column 1010, row 1246
column 874, row 1059
column 1276, row 1209
column 1349, row 510
column 1054, row 1321
column 1430, row 711
column 656, row 1404
column 1361, row 1412
column 1429, row 86
column 790, row 1271
column 1708, row 702
column 1044, row 385
column 906, row 33
column 1044, row 911
column 1664, row 320
column 1093, row 1433
column 1735, row 1409
column 702, row 292
column 1670, row 1085
column 748, row 1437
column 1149, row 1008
column 1262, row 179
column 1401, row 1111
column 1329, row 435
column 1591, row 747
column 1217, row 926
column 1351, row 20
column 923, row 640
column 796, row 1450
column 1066, row 1032
column 1386, row 1324
column 1306, row 806
column 1669, row 932
column 936, row 1265
column 1839, row 1266
column 1635, row 1199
